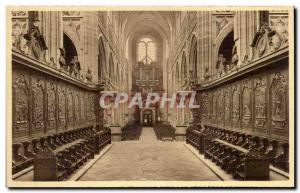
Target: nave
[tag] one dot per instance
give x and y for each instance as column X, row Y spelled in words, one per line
column 149, row 159
column 235, row 63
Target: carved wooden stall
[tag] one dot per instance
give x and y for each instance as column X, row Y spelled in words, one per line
column 243, row 120
column 57, row 125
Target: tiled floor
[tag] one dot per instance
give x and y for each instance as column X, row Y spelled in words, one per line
column 149, row 159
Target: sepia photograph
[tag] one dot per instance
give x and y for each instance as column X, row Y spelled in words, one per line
column 150, row 97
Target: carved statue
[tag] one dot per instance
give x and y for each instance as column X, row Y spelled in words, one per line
column 206, row 75
column 62, row 60
column 89, row 76
column 75, row 64
column 221, row 64
column 235, row 58
column 52, row 62
column 37, row 41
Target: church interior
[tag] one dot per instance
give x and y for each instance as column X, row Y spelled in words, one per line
column 237, row 63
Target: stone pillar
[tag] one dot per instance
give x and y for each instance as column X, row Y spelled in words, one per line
column 51, row 27
column 90, row 44
column 245, row 27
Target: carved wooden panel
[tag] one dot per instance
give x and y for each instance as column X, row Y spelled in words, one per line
column 257, row 104
column 38, row 94
column 62, row 106
column 220, row 106
column 51, row 105
column 212, row 107
column 70, row 107
column 260, row 112
column 205, row 106
column 235, row 105
column 42, row 104
column 77, row 106
column 246, row 104
column 83, row 108
column 279, row 104
column 91, row 107
column 227, row 104
column 21, row 104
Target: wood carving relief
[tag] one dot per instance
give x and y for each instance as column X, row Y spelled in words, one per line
column 246, row 101
column 20, row 103
column 213, row 107
column 278, row 100
column 62, row 106
column 51, row 107
column 260, row 102
column 38, row 121
column 227, row 97
column 77, row 106
column 83, row 108
column 91, row 107
column 44, row 105
column 220, row 106
column 70, row 107
column 205, row 105
column 235, row 105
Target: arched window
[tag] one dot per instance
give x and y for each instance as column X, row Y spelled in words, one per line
column 102, row 67
column 193, row 57
column 146, row 51
column 111, row 66
column 183, row 67
column 70, row 49
column 226, row 51
column 177, row 73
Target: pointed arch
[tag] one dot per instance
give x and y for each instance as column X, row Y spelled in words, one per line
column 102, row 67
column 177, row 73
column 73, row 36
column 69, row 47
column 183, row 66
column 193, row 56
column 111, row 66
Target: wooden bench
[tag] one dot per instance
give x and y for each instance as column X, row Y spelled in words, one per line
column 245, row 156
column 164, row 131
column 131, row 131
column 57, row 156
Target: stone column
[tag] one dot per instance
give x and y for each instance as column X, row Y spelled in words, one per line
column 245, row 27
column 51, row 27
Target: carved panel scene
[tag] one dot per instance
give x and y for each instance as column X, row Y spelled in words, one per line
column 254, row 105
column 43, row 105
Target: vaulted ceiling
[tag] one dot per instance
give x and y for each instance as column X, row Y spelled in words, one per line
column 136, row 21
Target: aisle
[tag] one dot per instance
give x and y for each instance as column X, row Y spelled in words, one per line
column 148, row 159
column 148, row 135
